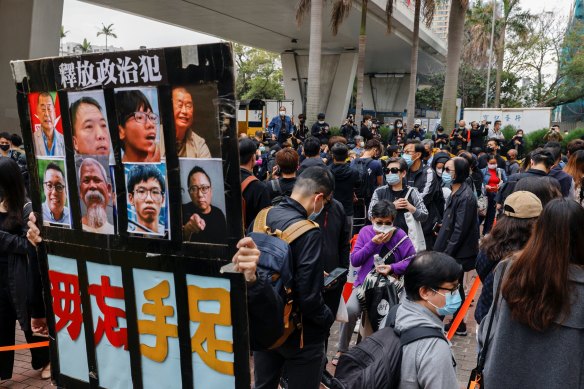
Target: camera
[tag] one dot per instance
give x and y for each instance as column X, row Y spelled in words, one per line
column 488, row 123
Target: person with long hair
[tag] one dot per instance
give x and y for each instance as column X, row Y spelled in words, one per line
column 20, row 291
column 508, row 236
column 537, row 330
column 575, row 168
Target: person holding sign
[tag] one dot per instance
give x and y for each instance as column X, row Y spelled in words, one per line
column 138, row 127
column 146, row 191
column 188, row 143
column 47, row 140
column 202, row 221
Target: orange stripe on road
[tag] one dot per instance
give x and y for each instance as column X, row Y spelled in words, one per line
column 24, row 346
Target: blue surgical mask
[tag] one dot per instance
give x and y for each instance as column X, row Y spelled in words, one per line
column 262, row 149
column 314, row 215
column 408, row 159
column 453, row 302
column 446, row 178
column 392, row 178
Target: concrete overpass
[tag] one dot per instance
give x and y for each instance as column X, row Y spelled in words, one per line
column 30, row 29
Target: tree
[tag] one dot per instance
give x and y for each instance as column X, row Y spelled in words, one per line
column 514, row 20
column 477, row 34
column 63, row 35
column 259, row 74
column 455, row 36
column 314, row 54
column 85, row 47
column 107, row 31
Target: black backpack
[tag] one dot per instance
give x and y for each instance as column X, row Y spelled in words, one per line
column 273, row 316
column 365, row 190
column 277, row 189
column 375, row 363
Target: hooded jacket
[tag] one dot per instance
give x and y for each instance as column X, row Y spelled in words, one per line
column 426, row 363
column 346, row 181
column 519, row 357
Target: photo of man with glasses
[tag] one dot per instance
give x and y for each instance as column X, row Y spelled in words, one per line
column 202, row 221
column 55, row 211
column 146, row 198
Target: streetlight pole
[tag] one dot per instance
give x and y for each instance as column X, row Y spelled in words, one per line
column 491, row 53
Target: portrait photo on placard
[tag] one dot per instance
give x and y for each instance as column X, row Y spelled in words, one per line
column 147, row 199
column 139, row 126
column 47, row 126
column 196, row 121
column 54, row 193
column 95, row 193
column 203, row 201
column 89, row 125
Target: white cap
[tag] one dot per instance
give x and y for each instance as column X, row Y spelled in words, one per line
column 418, row 122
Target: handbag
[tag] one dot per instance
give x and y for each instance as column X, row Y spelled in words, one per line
column 476, row 380
column 482, row 203
column 415, row 231
column 377, row 294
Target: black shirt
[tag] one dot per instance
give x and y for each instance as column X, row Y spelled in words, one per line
column 215, row 227
column 3, row 256
column 256, row 197
column 281, row 187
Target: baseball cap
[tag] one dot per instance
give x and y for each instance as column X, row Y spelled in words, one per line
column 418, row 122
column 522, row 205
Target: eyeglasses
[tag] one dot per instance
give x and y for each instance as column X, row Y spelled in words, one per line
column 450, row 291
column 56, row 187
column 142, row 193
column 204, row 189
column 394, row 170
column 141, row 117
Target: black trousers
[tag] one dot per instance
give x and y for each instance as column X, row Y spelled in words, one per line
column 303, row 366
column 40, row 356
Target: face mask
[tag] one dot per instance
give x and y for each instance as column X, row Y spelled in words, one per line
column 262, row 148
column 446, row 178
column 314, row 215
column 321, row 122
column 492, row 166
column 490, row 149
column 439, row 172
column 393, row 179
column 450, row 306
column 282, row 113
column 5, row 147
column 382, row 229
column 408, row 159
column 399, row 125
column 362, row 144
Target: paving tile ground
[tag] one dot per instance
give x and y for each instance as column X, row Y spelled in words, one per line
column 464, row 349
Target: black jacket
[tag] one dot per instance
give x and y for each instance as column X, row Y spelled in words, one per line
column 308, row 273
column 563, row 178
column 346, row 181
column 366, row 133
column 256, row 197
column 426, row 182
column 459, row 234
column 23, row 275
column 509, row 187
column 477, row 137
column 309, row 162
column 321, row 131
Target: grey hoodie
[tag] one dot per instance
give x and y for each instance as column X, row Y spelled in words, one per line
column 426, row 363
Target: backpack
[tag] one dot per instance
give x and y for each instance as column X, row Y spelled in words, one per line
column 364, row 191
column 272, row 315
column 375, row 363
column 276, row 188
column 244, row 186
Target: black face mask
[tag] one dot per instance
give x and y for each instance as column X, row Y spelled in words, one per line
column 5, row 147
column 490, row 149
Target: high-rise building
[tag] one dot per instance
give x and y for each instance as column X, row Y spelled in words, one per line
column 441, row 17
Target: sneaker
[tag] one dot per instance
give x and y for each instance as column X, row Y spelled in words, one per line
column 460, row 331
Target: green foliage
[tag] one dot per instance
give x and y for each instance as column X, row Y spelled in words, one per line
column 535, row 139
column 508, row 132
column 336, row 131
column 384, row 132
column 259, row 74
column 578, row 133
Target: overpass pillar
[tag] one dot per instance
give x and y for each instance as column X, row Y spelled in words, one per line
column 337, row 76
column 29, row 29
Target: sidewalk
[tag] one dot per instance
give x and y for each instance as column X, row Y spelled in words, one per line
column 23, row 376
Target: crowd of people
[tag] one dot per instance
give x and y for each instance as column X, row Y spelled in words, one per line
column 432, row 210
column 418, row 211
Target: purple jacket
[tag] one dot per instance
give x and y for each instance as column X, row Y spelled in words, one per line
column 365, row 249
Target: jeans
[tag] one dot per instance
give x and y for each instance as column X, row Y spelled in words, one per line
column 40, row 356
column 346, row 332
column 303, row 366
column 491, row 212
